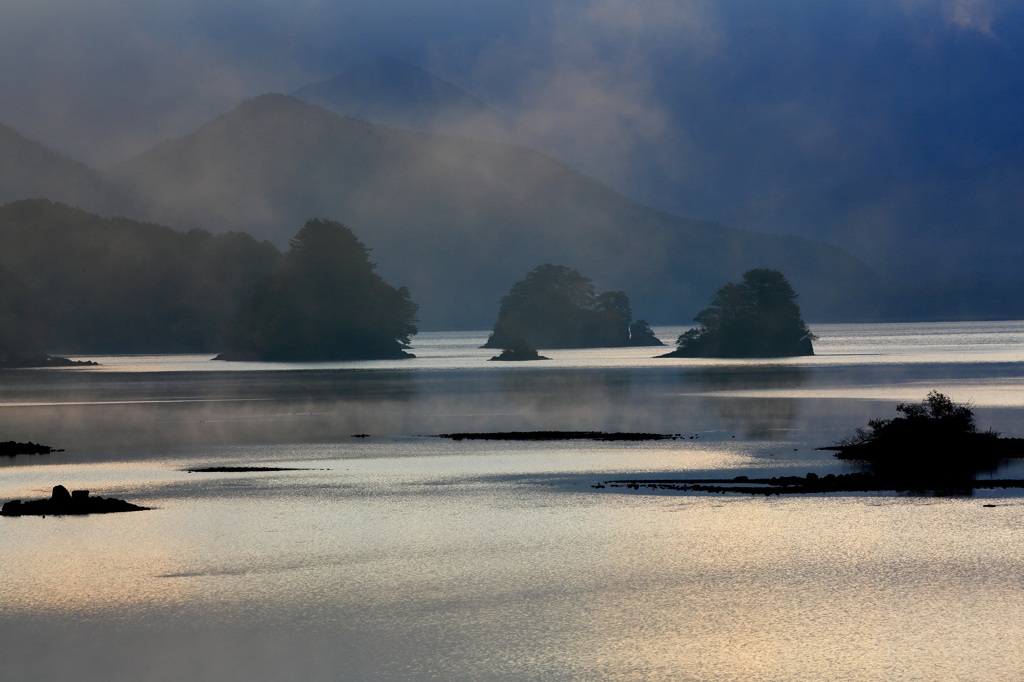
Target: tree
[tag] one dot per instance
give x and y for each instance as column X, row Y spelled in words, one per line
column 326, row 302
column 24, row 325
column 757, row 318
column 934, row 443
column 114, row 285
column 935, row 419
column 555, row 306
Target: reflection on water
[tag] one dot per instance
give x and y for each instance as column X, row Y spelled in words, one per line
column 768, row 417
column 402, row 556
column 383, row 568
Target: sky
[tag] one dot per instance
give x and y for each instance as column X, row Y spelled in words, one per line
column 686, row 104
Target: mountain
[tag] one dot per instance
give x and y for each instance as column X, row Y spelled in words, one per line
column 930, row 194
column 962, row 222
column 395, row 93
column 31, row 170
column 459, row 220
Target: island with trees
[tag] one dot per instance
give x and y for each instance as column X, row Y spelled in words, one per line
column 934, row 442
column 757, row 318
column 555, row 306
column 325, row 303
column 933, row 447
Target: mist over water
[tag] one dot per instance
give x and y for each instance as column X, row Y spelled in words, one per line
column 872, row 150
column 405, row 556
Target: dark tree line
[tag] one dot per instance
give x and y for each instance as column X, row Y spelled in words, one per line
column 73, row 282
column 24, row 325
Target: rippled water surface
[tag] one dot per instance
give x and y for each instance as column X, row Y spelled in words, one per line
column 401, row 555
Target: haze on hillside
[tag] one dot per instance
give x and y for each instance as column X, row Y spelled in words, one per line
column 889, row 129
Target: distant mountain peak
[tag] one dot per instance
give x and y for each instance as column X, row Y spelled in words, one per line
column 394, row 92
column 30, row 170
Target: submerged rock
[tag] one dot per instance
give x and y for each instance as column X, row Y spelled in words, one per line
column 11, row 448
column 64, row 503
column 557, row 435
column 238, row 470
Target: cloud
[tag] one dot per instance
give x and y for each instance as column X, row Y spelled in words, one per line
column 685, row 103
column 969, row 15
column 99, row 80
column 581, row 78
column 106, row 79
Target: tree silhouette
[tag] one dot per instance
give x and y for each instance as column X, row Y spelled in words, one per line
column 555, row 306
column 326, row 302
column 115, row 285
column 934, row 443
column 757, row 318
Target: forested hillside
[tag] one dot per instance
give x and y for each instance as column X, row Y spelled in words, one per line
column 100, row 285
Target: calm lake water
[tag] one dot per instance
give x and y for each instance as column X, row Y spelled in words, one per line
column 402, row 556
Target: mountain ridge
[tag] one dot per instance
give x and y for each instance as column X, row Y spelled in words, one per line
column 484, row 212
column 32, row 170
column 399, row 94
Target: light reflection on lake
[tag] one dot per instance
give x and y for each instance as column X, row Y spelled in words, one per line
column 404, row 556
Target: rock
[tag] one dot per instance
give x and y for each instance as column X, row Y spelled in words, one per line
column 63, row 503
column 519, row 352
column 61, row 495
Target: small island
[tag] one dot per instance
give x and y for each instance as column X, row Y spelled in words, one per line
column 757, row 318
column 63, row 503
column 556, row 307
column 325, row 303
column 519, row 351
column 934, row 443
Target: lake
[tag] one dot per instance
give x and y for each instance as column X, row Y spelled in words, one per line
column 393, row 554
